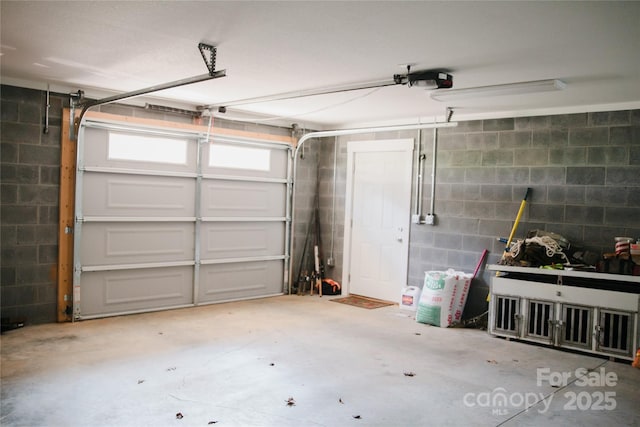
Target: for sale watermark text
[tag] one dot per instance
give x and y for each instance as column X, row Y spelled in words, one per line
column 593, row 393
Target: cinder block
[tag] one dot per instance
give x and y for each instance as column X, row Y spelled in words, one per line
column 546, row 213
column 621, row 175
column 20, row 255
column 41, row 313
column 9, row 295
column 622, row 216
column 48, row 215
column 471, row 192
column 50, row 175
column 477, row 243
column 496, row 193
column 480, row 175
column 477, row 209
column 531, row 157
column 607, row 195
column 9, row 111
column 608, row 155
column 584, row 215
column 7, row 279
column 564, row 121
column 9, row 193
column 569, row 156
column 23, row 174
column 520, row 139
column 25, row 295
column 465, row 158
column 8, row 236
column 537, row 122
column 498, row 124
column 497, row 158
column 46, row 293
column 620, row 135
column 39, row 154
column 30, row 113
column 26, row 234
column 548, row 175
column 13, row 214
column 21, row 94
column 513, row 176
column 38, row 194
column 585, row 175
column 495, row 228
column 34, row 274
column 53, row 137
column 588, row 136
column 47, row 254
column 20, row 132
column 482, row 141
column 8, row 153
column 450, row 175
column 608, row 118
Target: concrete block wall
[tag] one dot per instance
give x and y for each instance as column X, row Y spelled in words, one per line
column 584, row 170
column 29, row 186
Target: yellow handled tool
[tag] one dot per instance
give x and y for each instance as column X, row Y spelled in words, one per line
column 515, row 227
column 517, row 221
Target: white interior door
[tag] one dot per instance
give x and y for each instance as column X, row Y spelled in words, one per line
column 378, row 217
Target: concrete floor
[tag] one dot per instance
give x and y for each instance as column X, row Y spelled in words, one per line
column 239, row 363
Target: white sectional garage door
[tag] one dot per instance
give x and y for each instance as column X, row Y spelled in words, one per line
column 167, row 219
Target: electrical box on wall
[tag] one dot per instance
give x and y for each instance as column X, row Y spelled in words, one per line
column 430, row 219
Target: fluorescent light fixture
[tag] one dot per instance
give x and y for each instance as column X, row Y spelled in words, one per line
column 498, row 90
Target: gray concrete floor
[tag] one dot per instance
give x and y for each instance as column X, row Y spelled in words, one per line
column 239, row 363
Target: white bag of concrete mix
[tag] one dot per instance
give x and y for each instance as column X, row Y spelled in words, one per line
column 444, row 296
column 438, row 299
column 463, row 283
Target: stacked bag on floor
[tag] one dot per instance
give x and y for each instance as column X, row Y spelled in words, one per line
column 443, row 297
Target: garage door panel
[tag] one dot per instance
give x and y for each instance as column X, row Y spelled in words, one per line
column 99, row 155
column 238, row 240
column 223, row 282
column 159, row 225
column 132, row 243
column 108, row 292
column 232, row 198
column 132, row 195
column 243, row 166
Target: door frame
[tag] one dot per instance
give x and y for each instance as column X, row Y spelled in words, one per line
column 390, row 145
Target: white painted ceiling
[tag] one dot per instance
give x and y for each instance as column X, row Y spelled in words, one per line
column 275, row 47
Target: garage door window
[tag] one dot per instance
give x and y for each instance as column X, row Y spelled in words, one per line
column 248, row 158
column 143, row 148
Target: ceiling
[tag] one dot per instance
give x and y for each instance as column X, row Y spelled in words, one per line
column 266, row 48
